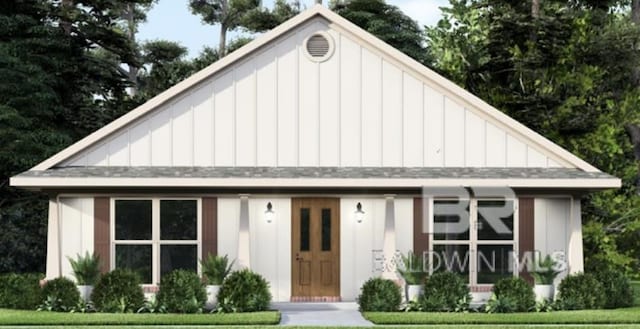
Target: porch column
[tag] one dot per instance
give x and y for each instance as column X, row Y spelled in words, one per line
column 389, row 241
column 53, row 241
column 574, row 240
column 244, row 236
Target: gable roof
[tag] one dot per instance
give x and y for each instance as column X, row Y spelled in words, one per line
column 337, row 22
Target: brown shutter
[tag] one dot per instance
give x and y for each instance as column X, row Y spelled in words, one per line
column 420, row 234
column 101, row 232
column 526, row 227
column 209, row 226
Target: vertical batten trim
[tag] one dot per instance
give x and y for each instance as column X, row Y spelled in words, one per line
column 255, row 113
column 360, row 101
column 443, row 112
column 319, row 107
column 213, row 124
column 424, row 125
column 464, row 137
column 234, row 127
column 102, row 232
column 277, row 103
column 340, row 141
column 297, row 98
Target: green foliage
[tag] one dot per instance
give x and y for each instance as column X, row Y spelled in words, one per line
column 545, row 271
column 379, row 295
column 20, row 291
column 182, row 292
column 445, row 292
column 152, row 306
column 261, row 19
column 618, row 291
column 581, row 291
column 244, row 291
column 216, row 268
column 413, row 269
column 501, row 304
column 60, row 294
column 517, row 291
column 118, row 291
column 86, row 269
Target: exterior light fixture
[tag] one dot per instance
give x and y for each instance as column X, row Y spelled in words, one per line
column 359, row 214
column 269, row 214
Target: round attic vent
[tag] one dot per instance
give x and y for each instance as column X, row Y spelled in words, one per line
column 319, row 47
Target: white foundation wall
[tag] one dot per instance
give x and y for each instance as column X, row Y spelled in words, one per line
column 70, row 234
column 270, row 243
column 558, row 228
column 358, row 241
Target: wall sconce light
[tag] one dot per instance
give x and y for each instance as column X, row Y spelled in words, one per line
column 359, row 214
column 269, row 214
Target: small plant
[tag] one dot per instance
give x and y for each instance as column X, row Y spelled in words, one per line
column 545, row 272
column 20, row 291
column 152, row 306
column 379, row 295
column 545, row 305
column 181, row 291
column 515, row 290
column 244, row 291
column 581, row 291
column 84, row 307
column 445, row 292
column 618, row 288
column 118, row 291
column 86, row 269
column 412, row 271
column 503, row 304
column 215, row 269
column 59, row 295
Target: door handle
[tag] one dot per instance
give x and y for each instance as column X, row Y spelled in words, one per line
column 298, row 258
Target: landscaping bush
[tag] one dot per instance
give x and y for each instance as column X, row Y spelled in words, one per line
column 215, row 269
column 244, row 291
column 118, row 291
column 618, row 291
column 379, row 295
column 20, row 291
column 580, row 291
column 181, row 291
column 59, row 295
column 517, row 291
column 445, row 292
column 86, row 269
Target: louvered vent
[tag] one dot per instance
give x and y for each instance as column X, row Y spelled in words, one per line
column 318, row 47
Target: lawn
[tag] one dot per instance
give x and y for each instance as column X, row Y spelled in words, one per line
column 636, row 288
column 619, row 316
column 15, row 317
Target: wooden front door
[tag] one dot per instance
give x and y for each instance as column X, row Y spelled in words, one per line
column 315, row 247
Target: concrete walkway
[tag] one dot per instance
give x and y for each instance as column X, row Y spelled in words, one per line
column 320, row 314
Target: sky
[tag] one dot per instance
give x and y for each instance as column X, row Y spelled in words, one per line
column 172, row 20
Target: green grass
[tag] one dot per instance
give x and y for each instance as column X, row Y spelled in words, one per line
column 395, row 327
column 619, row 316
column 16, row 317
column 636, row 289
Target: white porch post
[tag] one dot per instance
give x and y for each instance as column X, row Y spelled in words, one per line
column 53, row 241
column 389, row 241
column 244, row 236
column 575, row 253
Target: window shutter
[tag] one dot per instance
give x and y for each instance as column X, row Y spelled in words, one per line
column 526, row 231
column 101, row 232
column 420, row 232
column 209, row 226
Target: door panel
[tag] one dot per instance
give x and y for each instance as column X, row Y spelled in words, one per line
column 315, row 246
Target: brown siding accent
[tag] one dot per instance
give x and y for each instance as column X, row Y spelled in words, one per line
column 209, row 226
column 420, row 234
column 102, row 232
column 526, row 231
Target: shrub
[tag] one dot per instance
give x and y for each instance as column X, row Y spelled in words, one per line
column 445, row 292
column 244, row 291
column 412, row 270
column 118, row 291
column 545, row 272
column 379, row 295
column 182, row 292
column 20, row 291
column 617, row 287
column 503, row 304
column 517, row 291
column 59, row 295
column 215, row 269
column 580, row 291
column 86, row 269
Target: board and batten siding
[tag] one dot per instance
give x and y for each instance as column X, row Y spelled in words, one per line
column 277, row 107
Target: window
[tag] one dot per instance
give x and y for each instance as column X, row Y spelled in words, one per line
column 156, row 236
column 475, row 238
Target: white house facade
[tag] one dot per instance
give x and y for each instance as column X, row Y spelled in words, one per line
column 312, row 156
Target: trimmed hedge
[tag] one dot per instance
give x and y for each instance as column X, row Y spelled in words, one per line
column 63, row 294
column 379, row 295
column 517, row 291
column 618, row 290
column 581, row 291
column 244, row 291
column 118, row 291
column 445, row 292
column 20, row 291
column 181, row 291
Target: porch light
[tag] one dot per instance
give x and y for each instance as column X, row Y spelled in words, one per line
column 269, row 214
column 359, row 214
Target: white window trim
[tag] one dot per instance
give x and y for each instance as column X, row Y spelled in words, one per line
column 155, row 241
column 473, row 241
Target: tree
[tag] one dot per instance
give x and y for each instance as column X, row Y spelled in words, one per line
column 261, row 19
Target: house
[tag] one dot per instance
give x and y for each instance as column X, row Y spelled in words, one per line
column 313, row 155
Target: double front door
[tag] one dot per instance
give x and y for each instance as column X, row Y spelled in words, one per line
column 315, row 247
